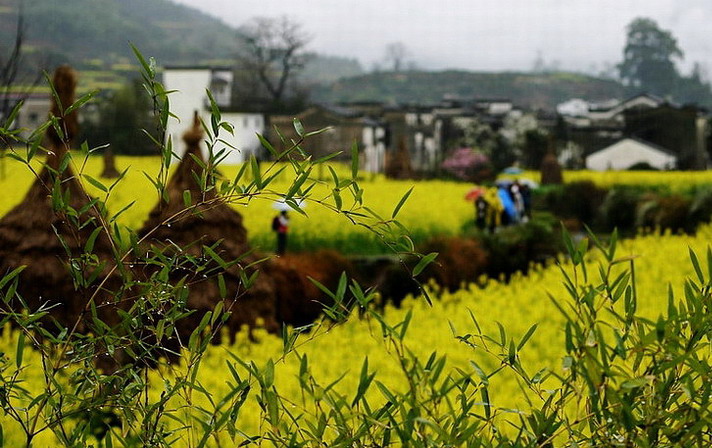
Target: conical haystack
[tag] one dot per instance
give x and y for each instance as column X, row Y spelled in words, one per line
column 29, row 232
column 173, row 225
column 398, row 164
column 551, row 170
column 299, row 301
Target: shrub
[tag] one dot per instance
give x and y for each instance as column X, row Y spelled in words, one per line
column 469, row 165
column 299, row 300
column 460, row 260
column 642, row 166
column 673, row 213
column 701, row 207
column 618, row 210
column 579, row 201
column 514, row 248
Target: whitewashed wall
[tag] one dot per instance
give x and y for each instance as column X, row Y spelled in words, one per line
column 190, row 85
column 627, row 152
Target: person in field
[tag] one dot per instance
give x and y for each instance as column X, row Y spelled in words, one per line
column 280, row 225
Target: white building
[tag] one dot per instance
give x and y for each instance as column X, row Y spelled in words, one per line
column 628, row 152
column 575, row 107
column 374, row 148
column 190, row 85
column 33, row 113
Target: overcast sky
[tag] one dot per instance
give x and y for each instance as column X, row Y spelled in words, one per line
column 583, row 35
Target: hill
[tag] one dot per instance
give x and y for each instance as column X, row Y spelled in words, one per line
column 94, row 36
column 325, row 69
column 88, row 33
column 538, row 91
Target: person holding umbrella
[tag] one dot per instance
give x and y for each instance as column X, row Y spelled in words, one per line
column 280, row 225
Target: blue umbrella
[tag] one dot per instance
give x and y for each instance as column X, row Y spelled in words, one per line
column 512, row 170
column 507, row 203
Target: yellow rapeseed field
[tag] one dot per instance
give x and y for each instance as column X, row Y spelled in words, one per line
column 434, row 207
column 332, row 352
column 676, row 181
column 340, row 350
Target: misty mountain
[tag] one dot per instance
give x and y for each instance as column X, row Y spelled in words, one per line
column 326, row 68
column 95, row 34
column 538, row 91
column 77, row 31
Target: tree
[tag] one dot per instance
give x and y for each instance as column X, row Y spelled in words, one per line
column 271, row 54
column 396, row 54
column 481, row 137
column 535, row 145
column 694, row 88
column 119, row 126
column 649, row 58
column 121, row 119
column 10, row 66
column 14, row 88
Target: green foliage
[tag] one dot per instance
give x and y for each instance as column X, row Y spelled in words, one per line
column 514, row 248
column 649, row 58
column 701, row 207
column 95, row 369
column 642, row 382
column 121, row 120
column 626, row 380
column 648, row 65
column 578, row 201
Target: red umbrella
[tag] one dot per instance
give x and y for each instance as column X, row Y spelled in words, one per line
column 475, row 193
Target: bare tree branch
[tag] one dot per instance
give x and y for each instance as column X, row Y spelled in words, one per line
column 272, row 50
column 396, row 54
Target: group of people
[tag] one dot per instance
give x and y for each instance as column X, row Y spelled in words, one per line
column 505, row 204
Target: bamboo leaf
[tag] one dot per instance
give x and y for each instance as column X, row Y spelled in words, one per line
column 7, row 278
column 401, row 202
column 20, row 349
column 526, row 336
column 298, row 127
column 338, row 202
column 266, row 144
column 223, row 291
column 217, row 258
column 696, row 265
column 354, row 160
column 11, row 118
column 486, row 402
column 89, row 245
column 423, row 263
column 187, row 198
column 81, row 102
column 95, row 183
column 256, row 175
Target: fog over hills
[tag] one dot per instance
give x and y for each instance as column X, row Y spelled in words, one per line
column 483, row 35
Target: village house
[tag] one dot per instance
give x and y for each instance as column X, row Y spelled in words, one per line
column 189, row 85
column 680, row 130
column 34, row 111
column 344, row 127
column 430, row 130
column 631, row 152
